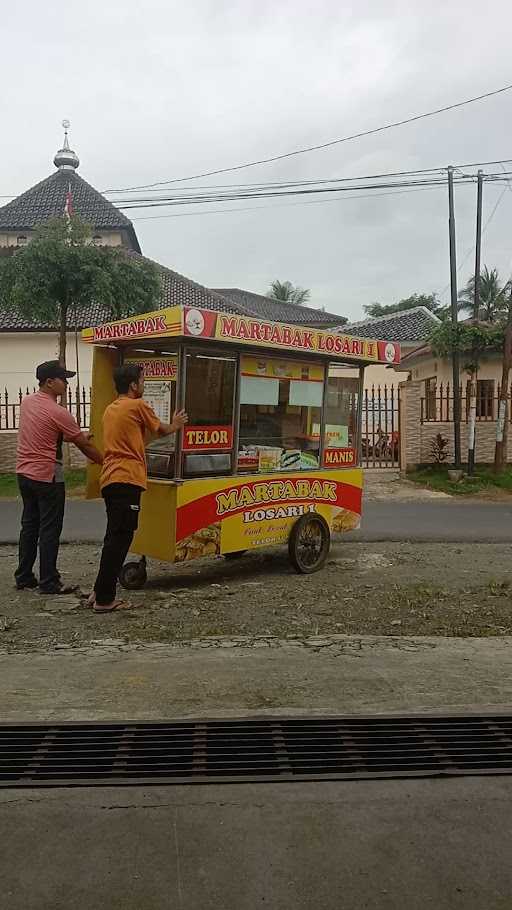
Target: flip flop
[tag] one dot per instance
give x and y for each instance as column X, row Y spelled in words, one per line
column 115, row 605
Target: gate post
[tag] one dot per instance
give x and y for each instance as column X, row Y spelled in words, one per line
column 410, row 425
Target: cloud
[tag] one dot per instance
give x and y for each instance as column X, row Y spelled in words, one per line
column 161, row 90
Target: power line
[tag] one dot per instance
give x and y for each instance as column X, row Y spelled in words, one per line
column 296, row 182
column 323, row 145
column 209, row 198
column 289, row 205
column 283, row 182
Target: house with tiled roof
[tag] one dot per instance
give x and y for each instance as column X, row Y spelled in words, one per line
column 411, row 328
column 26, row 342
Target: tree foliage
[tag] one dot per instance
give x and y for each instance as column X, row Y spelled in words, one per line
column 289, row 293
column 430, row 301
column 494, row 295
column 471, row 341
column 60, row 272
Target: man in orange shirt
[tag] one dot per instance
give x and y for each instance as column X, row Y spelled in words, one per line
column 123, row 477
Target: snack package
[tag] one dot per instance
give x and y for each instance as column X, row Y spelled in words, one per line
column 290, row 460
column 269, row 459
column 308, row 460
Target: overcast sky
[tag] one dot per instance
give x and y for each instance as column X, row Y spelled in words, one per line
column 163, row 89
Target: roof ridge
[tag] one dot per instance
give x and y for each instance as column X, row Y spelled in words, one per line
column 275, row 300
column 398, row 315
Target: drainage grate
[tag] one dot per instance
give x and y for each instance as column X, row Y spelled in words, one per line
column 261, row 749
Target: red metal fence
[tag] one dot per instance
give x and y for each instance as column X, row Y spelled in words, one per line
column 78, row 403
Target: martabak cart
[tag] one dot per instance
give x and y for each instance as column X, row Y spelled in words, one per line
column 271, row 453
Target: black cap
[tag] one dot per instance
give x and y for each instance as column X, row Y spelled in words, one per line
column 52, row 369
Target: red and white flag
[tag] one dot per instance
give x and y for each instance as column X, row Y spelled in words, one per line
column 68, row 206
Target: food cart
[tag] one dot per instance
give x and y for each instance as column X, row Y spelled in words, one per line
column 271, row 453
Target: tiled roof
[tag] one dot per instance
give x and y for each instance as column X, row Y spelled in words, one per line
column 176, row 291
column 180, row 291
column 415, row 324
column 261, row 307
column 47, row 200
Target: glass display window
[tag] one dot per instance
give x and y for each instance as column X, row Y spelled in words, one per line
column 341, row 419
column 280, row 408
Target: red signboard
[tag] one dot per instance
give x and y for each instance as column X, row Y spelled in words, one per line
column 158, row 369
column 339, row 458
column 200, row 437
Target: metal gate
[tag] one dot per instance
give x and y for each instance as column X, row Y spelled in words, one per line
column 380, row 433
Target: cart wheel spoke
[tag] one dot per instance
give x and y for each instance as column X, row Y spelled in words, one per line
column 309, row 543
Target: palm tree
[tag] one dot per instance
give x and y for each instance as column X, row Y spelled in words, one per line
column 493, row 296
column 286, row 291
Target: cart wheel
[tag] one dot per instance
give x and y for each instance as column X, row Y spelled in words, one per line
column 236, row 555
column 309, row 543
column 133, row 575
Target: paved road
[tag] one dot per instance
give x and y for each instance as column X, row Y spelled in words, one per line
column 446, row 520
column 380, row 845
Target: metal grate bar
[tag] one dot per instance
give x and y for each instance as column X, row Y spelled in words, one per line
column 260, row 749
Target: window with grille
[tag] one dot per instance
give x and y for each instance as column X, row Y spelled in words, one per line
column 485, row 399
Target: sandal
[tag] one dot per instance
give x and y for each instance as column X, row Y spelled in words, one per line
column 108, row 608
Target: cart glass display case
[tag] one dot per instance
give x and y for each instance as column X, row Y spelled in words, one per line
column 280, row 414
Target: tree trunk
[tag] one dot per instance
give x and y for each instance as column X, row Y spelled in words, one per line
column 500, row 456
column 62, row 335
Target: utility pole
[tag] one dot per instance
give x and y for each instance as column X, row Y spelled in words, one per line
column 455, row 351
column 476, row 314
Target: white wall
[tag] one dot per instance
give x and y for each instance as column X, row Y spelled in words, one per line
column 21, row 352
column 107, row 238
column 428, row 366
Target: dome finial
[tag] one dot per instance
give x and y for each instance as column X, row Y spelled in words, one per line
column 66, row 159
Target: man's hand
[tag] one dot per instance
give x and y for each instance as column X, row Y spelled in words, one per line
column 88, row 449
column 179, row 419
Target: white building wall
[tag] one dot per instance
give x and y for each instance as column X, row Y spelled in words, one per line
column 102, row 238
column 21, row 352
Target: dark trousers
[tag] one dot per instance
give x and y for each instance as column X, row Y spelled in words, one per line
column 41, row 522
column 122, row 501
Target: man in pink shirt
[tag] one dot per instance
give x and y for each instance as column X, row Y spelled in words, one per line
column 44, row 424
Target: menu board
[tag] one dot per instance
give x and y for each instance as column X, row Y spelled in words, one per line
column 158, row 396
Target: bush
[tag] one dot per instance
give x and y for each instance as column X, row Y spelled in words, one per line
column 439, row 449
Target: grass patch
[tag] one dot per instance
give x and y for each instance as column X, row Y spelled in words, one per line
column 75, row 483
column 436, row 478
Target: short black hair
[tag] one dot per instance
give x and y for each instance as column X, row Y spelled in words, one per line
column 125, row 375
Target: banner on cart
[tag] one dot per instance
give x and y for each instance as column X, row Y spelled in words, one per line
column 231, row 514
column 198, row 437
column 339, row 458
column 155, row 367
column 193, row 322
column 242, row 329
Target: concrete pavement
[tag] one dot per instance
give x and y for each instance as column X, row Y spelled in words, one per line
column 326, row 674
column 370, row 845
column 441, row 520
